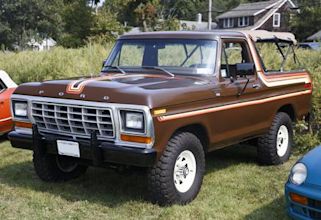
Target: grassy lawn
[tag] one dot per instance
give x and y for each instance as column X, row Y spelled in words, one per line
column 234, row 187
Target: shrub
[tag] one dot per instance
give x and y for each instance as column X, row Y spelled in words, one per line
column 57, row 63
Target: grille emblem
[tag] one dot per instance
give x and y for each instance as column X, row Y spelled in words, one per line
column 61, row 93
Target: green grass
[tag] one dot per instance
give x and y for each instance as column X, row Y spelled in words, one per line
column 234, row 187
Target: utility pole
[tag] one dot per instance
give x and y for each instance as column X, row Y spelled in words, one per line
column 209, row 15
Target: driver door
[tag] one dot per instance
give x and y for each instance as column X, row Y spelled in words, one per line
column 238, row 120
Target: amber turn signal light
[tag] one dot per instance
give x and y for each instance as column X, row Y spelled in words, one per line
column 23, row 124
column 299, row 199
column 137, row 139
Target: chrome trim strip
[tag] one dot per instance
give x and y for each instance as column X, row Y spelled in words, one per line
column 24, row 130
column 115, row 108
column 5, row 119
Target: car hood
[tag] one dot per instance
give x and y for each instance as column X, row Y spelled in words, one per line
column 144, row 89
column 313, row 162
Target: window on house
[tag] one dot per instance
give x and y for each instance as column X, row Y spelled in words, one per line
column 243, row 21
column 228, row 23
column 276, row 20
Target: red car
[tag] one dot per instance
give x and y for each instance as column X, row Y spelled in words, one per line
column 7, row 86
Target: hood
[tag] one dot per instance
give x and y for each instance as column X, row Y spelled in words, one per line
column 312, row 160
column 142, row 89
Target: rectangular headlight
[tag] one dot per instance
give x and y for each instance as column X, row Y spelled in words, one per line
column 20, row 109
column 133, row 121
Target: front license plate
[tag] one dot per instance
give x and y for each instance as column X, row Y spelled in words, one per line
column 68, row 148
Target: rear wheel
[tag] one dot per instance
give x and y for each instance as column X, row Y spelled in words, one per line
column 177, row 177
column 276, row 145
column 52, row 168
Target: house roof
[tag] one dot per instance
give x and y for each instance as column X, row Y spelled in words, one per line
column 252, row 9
column 316, row 36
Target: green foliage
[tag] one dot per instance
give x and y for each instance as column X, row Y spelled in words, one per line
column 78, row 19
column 146, row 15
column 57, row 63
column 149, row 15
column 305, row 141
column 105, row 28
column 186, row 10
column 308, row 21
column 22, row 20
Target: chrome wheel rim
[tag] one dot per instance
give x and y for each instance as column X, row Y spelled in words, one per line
column 184, row 171
column 282, row 141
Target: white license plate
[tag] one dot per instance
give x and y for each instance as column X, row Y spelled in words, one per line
column 68, row 148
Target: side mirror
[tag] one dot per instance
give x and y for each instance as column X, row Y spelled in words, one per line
column 104, row 62
column 245, row 69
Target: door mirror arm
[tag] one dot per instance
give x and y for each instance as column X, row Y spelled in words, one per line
column 244, row 88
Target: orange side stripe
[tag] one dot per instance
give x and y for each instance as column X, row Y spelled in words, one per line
column 81, row 86
column 226, row 107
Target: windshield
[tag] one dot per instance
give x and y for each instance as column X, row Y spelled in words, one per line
column 177, row 56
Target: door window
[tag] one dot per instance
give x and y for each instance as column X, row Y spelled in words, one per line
column 233, row 53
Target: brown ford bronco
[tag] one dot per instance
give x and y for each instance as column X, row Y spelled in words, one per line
column 162, row 101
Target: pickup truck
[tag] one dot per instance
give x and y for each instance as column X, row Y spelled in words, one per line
column 162, row 101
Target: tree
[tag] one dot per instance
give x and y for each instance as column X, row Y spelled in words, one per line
column 308, row 21
column 147, row 15
column 23, row 20
column 105, row 27
column 78, row 19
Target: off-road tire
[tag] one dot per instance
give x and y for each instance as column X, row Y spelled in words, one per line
column 47, row 169
column 161, row 185
column 267, row 144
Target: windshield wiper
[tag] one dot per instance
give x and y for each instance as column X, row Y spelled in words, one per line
column 159, row 68
column 116, row 67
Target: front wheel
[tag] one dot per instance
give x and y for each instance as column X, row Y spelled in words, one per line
column 276, row 145
column 177, row 176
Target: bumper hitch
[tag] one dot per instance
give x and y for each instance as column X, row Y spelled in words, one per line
column 96, row 152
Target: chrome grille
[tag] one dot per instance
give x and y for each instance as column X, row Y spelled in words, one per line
column 73, row 120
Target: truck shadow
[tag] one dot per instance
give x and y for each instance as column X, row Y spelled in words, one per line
column 275, row 210
column 108, row 187
column 3, row 138
column 229, row 156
